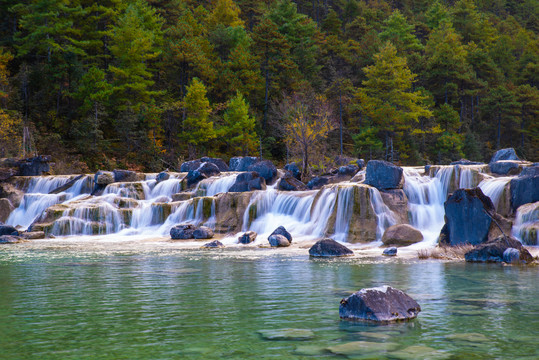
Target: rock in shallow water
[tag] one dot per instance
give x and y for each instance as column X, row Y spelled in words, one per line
column 216, row 244
column 9, row 239
column 247, row 238
column 203, row 232
column 282, row 231
column 383, row 304
column 493, row 251
column 511, row 256
column 287, row 334
column 277, row 240
column 392, row 251
column 8, row 230
column 401, row 235
column 182, row 232
column 329, row 248
column 358, row 348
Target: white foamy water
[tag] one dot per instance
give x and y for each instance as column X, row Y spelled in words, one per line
column 494, row 187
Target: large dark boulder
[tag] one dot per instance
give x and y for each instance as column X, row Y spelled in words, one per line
column 525, row 187
column 221, row 165
column 190, row 165
column 182, row 232
column 493, row 250
column 194, row 177
column 390, row 251
column 266, row 169
column 384, row 175
column 317, row 182
column 203, row 232
column 125, row 176
column 467, row 217
column 209, row 169
column 162, row 176
column 248, row 181
column 401, row 235
column 35, row 166
column 329, row 248
column 290, row 183
column 276, row 240
column 383, row 304
column 505, row 167
column 294, row 170
column 282, row 231
column 247, row 238
column 241, row 163
column 348, row 170
column 8, row 230
column 504, row 154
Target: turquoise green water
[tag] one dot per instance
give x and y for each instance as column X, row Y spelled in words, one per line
column 59, row 304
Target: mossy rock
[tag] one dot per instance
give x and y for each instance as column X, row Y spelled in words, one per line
column 126, row 203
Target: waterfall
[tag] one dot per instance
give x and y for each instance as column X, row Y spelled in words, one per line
column 384, row 216
column 526, row 226
column 345, row 207
column 215, row 185
column 37, row 198
column 494, row 188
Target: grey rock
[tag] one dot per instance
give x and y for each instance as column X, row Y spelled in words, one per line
column 103, row 177
column 8, row 230
column 162, row 176
column 290, row 183
column 382, row 305
column 466, row 162
column 360, row 164
column 35, row 166
column 247, row 238
column 248, row 181
column 278, row 241
column 216, row 244
column 384, row 175
column 504, row 154
column 329, row 248
column 9, row 239
column 391, row 251
column 265, row 169
column 317, row 182
column 401, row 235
column 194, row 177
column 241, row 163
column 525, row 187
column 203, row 232
column 493, row 250
column 182, row 232
column 221, row 165
column 348, row 170
column 511, row 256
column 125, row 176
column 33, row 235
column 282, row 231
column 467, row 219
column 505, row 167
column 190, row 165
column 294, row 170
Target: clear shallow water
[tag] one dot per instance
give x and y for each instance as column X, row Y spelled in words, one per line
column 61, row 303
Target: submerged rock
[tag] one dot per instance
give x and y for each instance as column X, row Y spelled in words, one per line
column 362, row 349
column 504, row 154
column 247, row 238
column 287, row 334
column 277, row 240
column 8, row 230
column 216, row 244
column 382, row 304
column 384, row 175
column 282, row 231
column 401, row 235
column 525, row 187
column 467, row 217
column 329, row 248
column 203, row 232
column 182, row 232
column 391, row 251
column 493, row 251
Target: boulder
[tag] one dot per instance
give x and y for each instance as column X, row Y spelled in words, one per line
column 203, row 232
column 126, row 176
column 216, row 244
column 290, row 183
column 33, row 235
column 493, row 250
column 182, row 232
column 382, row 305
column 401, row 235
column 391, row 251
column 265, row 169
column 248, row 181
column 384, row 175
column 466, row 162
column 35, row 166
column 241, row 163
column 190, row 165
column 209, row 169
column 348, row 170
column 221, row 165
column 9, row 239
column 467, row 217
column 247, row 238
column 8, row 230
column 194, row 177
column 294, row 170
column 282, row 231
column 505, row 167
column 329, row 248
column 182, row 196
column 397, row 201
column 504, row 154
column 278, row 241
column 525, row 187
column 162, row 176
column 317, row 182
column 511, row 256
column 103, row 177
column 360, row 164
column 5, row 209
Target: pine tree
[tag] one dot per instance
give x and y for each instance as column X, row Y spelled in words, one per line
column 238, row 128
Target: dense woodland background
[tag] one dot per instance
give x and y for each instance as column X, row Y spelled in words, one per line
column 145, row 84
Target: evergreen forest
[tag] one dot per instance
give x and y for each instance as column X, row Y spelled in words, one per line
column 147, row 84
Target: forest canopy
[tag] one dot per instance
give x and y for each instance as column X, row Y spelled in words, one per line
column 144, row 84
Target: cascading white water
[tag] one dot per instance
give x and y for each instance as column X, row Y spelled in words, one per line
column 215, row 185
column 494, row 187
column 37, row 198
column 526, row 226
column 345, row 207
column 384, row 216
